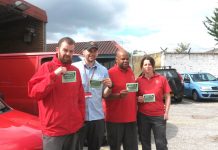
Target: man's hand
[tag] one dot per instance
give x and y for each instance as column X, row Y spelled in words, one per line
column 123, row 93
column 60, row 70
column 107, row 82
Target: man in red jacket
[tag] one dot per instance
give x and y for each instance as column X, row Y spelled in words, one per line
column 58, row 88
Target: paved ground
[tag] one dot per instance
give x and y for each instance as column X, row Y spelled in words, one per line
column 191, row 126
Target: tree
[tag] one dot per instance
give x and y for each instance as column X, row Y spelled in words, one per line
column 182, row 48
column 212, row 25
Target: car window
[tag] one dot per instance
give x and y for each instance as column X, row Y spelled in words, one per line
column 210, row 77
column 168, row 73
column 200, row 77
column 186, row 78
column 46, row 59
column 195, row 77
column 76, row 58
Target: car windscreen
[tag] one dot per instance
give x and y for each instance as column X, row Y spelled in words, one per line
column 201, row 77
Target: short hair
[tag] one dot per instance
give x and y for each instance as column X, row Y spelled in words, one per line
column 69, row 41
column 147, row 57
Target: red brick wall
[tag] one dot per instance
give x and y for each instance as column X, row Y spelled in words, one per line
column 12, row 36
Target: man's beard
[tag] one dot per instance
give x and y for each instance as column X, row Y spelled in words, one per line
column 65, row 59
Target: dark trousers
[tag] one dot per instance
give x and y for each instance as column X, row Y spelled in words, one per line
column 158, row 125
column 122, row 133
column 93, row 132
column 66, row 142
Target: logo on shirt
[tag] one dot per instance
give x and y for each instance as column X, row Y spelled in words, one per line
column 157, row 81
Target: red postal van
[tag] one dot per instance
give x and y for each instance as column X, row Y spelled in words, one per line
column 16, row 70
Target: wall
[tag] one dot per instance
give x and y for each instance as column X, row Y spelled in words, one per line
column 12, row 36
column 193, row 62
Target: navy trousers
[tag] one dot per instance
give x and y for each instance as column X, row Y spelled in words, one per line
column 157, row 124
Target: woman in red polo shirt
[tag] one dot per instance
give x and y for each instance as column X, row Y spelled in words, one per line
column 152, row 111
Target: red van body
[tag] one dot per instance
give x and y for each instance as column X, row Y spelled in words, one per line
column 16, row 70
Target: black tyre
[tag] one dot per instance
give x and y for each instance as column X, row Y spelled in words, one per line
column 195, row 96
column 178, row 100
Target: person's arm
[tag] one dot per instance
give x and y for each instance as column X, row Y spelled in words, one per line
column 81, row 101
column 120, row 95
column 167, row 106
column 107, row 92
column 43, row 82
column 109, row 85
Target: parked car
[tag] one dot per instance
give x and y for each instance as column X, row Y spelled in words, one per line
column 18, row 130
column 175, row 81
column 200, row 85
column 18, row 69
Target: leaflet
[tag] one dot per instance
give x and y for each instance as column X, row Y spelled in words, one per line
column 69, row 76
column 149, row 98
column 132, row 87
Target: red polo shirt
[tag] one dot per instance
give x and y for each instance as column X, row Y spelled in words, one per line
column 157, row 85
column 121, row 110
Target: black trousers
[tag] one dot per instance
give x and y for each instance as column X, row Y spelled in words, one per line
column 158, row 125
column 66, row 142
column 93, row 132
column 122, row 133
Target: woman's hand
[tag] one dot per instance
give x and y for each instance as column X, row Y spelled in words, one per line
column 140, row 99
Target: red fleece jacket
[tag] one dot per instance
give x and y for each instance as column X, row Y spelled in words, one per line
column 61, row 105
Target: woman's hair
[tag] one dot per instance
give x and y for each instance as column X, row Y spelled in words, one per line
column 147, row 57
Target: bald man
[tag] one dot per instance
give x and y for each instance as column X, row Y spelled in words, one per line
column 121, row 105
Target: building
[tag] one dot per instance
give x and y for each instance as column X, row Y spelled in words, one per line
column 22, row 27
column 106, row 52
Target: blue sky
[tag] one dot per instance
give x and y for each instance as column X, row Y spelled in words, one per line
column 144, row 25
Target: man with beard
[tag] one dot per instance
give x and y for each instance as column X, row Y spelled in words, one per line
column 121, row 105
column 57, row 87
column 96, row 83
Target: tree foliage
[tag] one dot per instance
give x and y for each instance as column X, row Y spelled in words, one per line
column 183, row 47
column 212, row 25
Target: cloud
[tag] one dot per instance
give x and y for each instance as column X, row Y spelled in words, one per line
column 139, row 24
column 73, row 16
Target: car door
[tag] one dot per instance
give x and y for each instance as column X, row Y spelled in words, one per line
column 187, row 88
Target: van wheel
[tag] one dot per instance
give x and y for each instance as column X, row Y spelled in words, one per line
column 195, row 96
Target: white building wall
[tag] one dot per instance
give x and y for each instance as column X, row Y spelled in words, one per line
column 193, row 62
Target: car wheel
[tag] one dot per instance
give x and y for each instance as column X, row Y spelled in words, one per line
column 178, row 100
column 195, row 96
